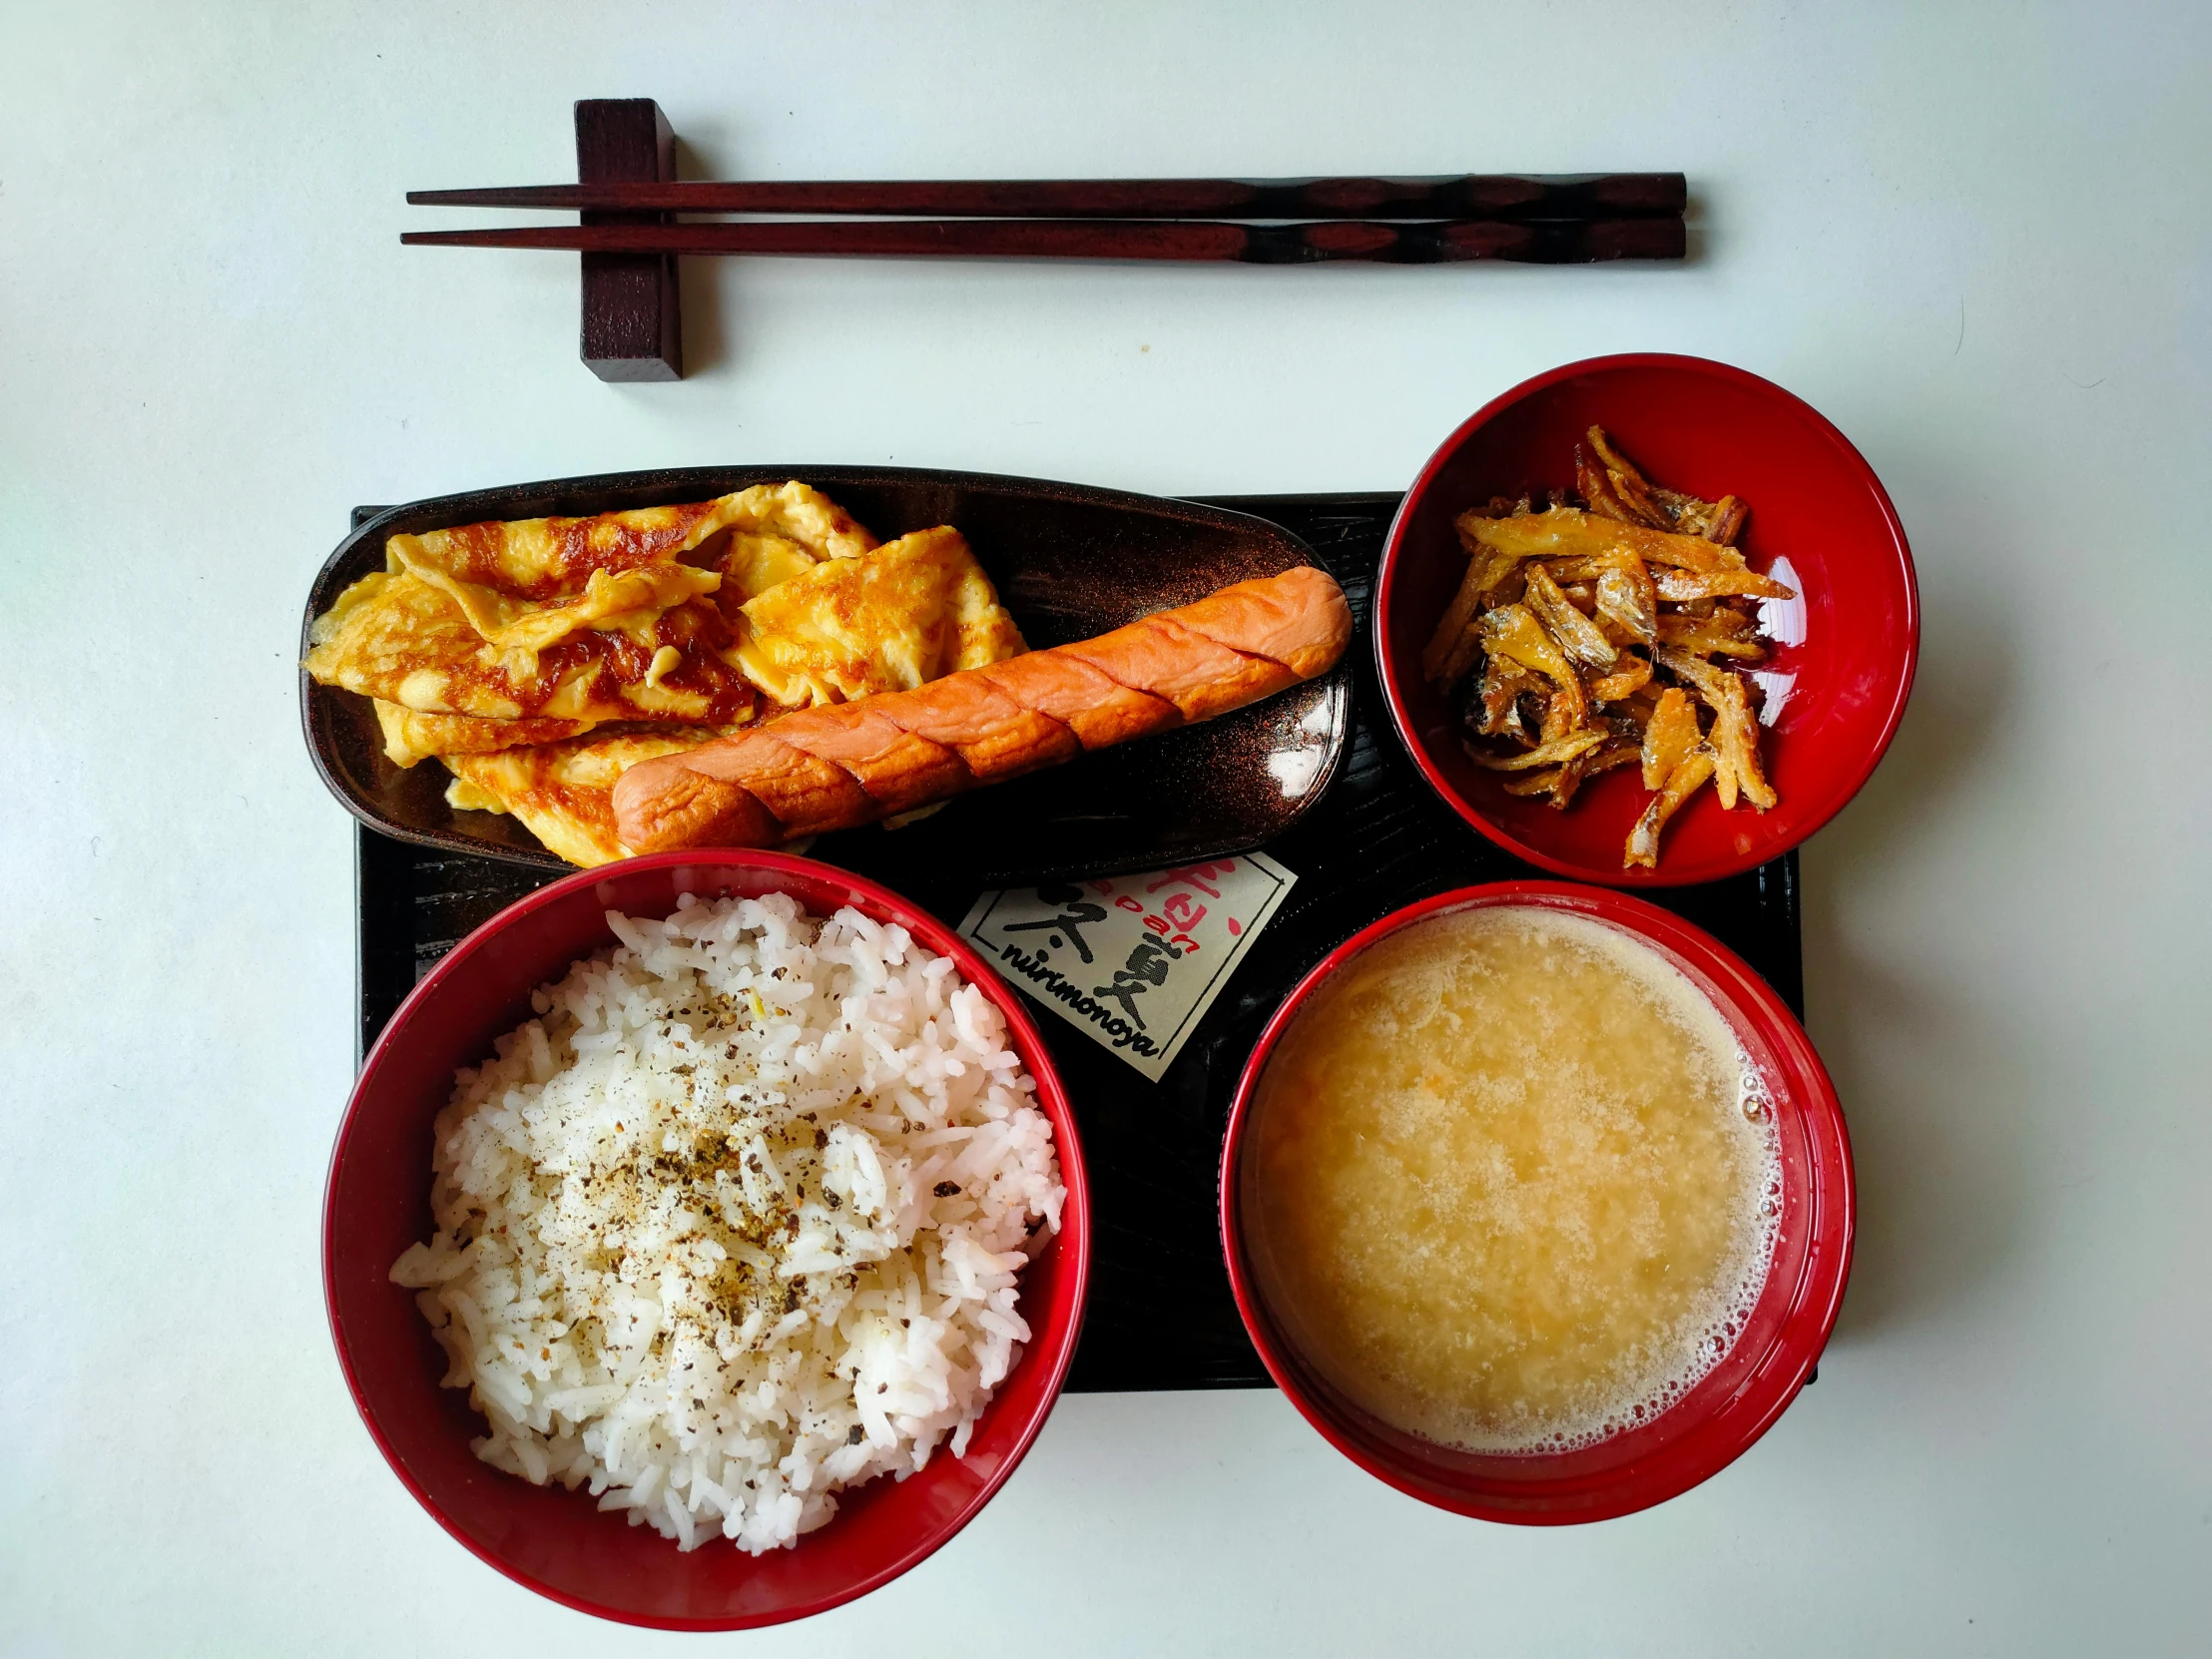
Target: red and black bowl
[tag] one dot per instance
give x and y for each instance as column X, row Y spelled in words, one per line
column 1840, row 656
column 1773, row 1351
column 556, row 1542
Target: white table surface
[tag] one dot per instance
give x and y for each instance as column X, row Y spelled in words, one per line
column 1975, row 238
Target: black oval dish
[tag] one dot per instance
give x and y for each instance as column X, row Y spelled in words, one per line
column 1069, row 562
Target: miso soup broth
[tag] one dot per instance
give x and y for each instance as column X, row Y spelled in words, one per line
column 1509, row 1182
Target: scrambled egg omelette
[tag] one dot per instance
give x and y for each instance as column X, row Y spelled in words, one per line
column 538, row 660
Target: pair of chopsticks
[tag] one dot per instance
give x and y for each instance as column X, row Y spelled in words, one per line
column 1534, row 220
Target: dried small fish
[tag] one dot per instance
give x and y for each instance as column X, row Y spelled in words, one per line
column 1630, row 674
column 1570, row 532
column 1577, row 634
column 1681, row 586
column 1626, row 594
column 1735, row 737
column 1669, row 735
column 1723, row 634
column 1682, row 783
column 1716, row 521
column 1605, row 632
column 1504, row 682
column 1544, row 755
column 1588, row 765
column 1513, row 631
column 1561, row 783
column 1454, row 646
column 1612, row 495
column 1535, row 783
column 1719, row 521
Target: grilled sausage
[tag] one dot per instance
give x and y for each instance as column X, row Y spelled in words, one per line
column 844, row 763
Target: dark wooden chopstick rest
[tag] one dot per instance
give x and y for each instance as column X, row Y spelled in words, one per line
column 1385, row 242
column 632, row 322
column 1456, row 196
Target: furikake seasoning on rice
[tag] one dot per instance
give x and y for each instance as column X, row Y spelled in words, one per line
column 737, row 1221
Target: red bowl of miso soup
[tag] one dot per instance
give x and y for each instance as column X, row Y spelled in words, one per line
column 1537, row 1202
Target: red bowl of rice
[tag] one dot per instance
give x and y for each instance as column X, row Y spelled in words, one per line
column 1775, row 1343
column 557, row 1542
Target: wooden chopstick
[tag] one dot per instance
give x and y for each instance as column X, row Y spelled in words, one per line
column 1456, row 196
column 1540, row 243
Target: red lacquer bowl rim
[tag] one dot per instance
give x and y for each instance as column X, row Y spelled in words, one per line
column 1815, row 1299
column 1052, row 1348
column 1390, row 668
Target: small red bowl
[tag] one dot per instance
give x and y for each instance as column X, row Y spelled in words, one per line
column 553, row 1540
column 1731, row 1405
column 1820, row 522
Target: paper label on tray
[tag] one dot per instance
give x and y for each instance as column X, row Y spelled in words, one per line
column 1132, row 961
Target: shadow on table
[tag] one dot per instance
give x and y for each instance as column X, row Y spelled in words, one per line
column 1942, row 1170
column 699, row 281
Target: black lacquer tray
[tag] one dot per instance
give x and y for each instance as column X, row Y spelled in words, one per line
column 1160, row 1311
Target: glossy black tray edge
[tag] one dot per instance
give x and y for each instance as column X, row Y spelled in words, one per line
column 358, row 553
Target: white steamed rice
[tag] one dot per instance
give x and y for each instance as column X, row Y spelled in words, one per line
column 735, row 1220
